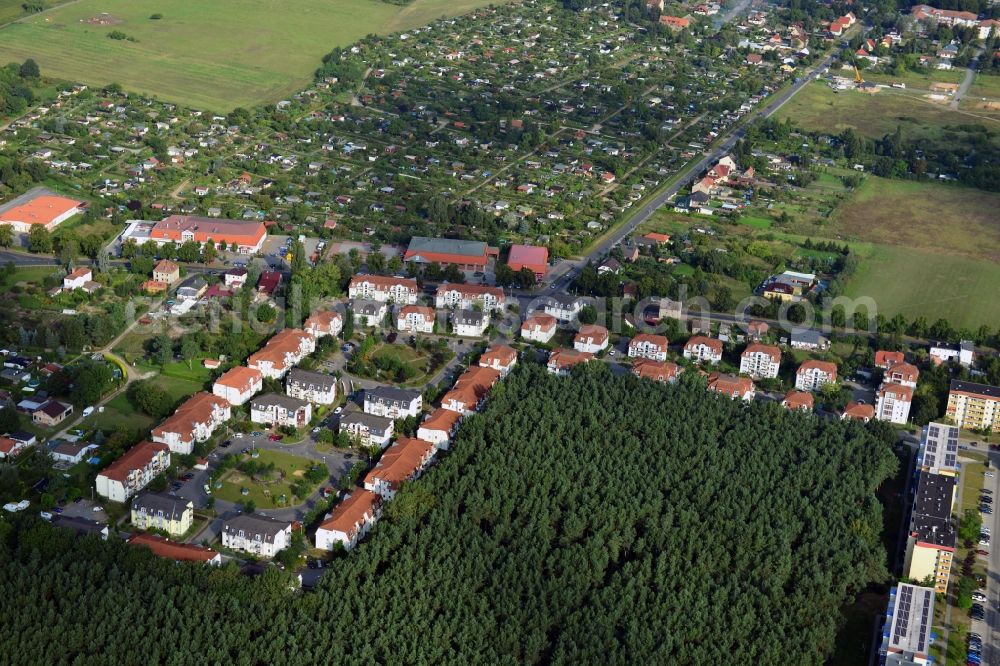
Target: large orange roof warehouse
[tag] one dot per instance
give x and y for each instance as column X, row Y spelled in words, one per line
column 40, row 210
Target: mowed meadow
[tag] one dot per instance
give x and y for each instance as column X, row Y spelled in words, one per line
column 210, row 55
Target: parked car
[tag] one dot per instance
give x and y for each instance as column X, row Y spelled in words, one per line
column 984, row 553
column 274, row 437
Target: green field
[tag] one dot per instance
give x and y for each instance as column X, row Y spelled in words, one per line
column 820, row 108
column 930, row 284
column 119, row 410
column 212, row 55
column 264, row 493
column 928, row 216
column 920, row 80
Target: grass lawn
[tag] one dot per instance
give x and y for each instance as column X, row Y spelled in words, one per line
column 985, row 85
column 756, row 222
column 929, row 284
column 119, row 410
column 210, row 55
column 817, row 107
column 928, row 216
column 196, row 373
column 921, row 80
column 264, row 492
column 31, row 274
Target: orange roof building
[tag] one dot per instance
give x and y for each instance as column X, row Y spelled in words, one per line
column 533, row 257
column 439, row 427
column 798, row 400
column 130, row 473
column 731, row 386
column 675, row 23
column 562, row 361
column 858, row 411
column 45, row 210
column 402, row 461
column 470, row 389
column 194, row 421
column 324, row 322
column 885, row 359
column 499, row 357
column 660, row 371
column 349, row 521
column 246, row 237
column 171, row 550
column 285, row 349
column 239, row 384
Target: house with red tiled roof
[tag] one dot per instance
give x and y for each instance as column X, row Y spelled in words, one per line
column 756, row 330
column 77, row 278
column 732, row 386
column 885, row 359
column 675, row 23
column 130, row 473
column 660, row 371
column 813, row 374
column 467, row 296
column 350, row 520
column 760, row 361
column 591, row 338
column 416, row 319
column 440, row 427
column 858, row 411
column 499, row 357
column 648, row 346
column 9, row 448
column 281, row 352
column 242, row 236
column 533, row 257
column 539, row 327
column 902, row 373
column 323, row 323
column 194, row 421
column 470, row 389
column 562, row 361
column 703, row 348
column 384, row 289
column 173, row 550
column 798, row 400
column 239, row 384
column 166, row 271
column 401, row 462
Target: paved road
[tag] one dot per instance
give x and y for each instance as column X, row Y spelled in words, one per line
column 990, row 629
column 970, row 74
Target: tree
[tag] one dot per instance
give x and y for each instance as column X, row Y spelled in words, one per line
column 190, row 348
column 209, row 253
column 149, row 397
column 970, row 525
column 29, row 69
column 6, row 235
column 39, row 240
column 163, row 349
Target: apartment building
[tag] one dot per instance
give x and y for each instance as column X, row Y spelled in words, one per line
column 660, row 371
column 194, row 421
column 930, row 545
column 468, row 296
column 314, row 387
column 703, row 348
column 591, row 339
column 273, row 409
column 368, row 314
column 238, row 385
column 974, row 406
column 368, row 429
column 133, row 471
column 392, row 402
column 562, row 361
column 349, row 521
column 323, row 323
column 283, row 351
column 907, row 628
column 402, row 461
column 813, row 374
column 893, row 403
column 403, row 291
column 499, row 357
column 760, row 361
column 256, row 534
column 938, row 451
column 470, row 390
column 173, row 515
column 539, row 327
column 649, row 346
column 470, row 323
column 415, row 319
column 732, row 386
column 440, row 427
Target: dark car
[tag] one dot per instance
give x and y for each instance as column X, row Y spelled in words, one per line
column 226, row 443
column 188, row 476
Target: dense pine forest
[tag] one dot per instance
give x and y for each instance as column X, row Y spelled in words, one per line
column 594, row 519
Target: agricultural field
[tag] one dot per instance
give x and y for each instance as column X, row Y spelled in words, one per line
column 820, row 108
column 216, row 55
column 931, row 284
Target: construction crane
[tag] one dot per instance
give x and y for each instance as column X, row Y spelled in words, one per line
column 857, row 75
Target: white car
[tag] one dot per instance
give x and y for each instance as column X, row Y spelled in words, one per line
column 239, row 435
column 989, row 475
column 984, row 542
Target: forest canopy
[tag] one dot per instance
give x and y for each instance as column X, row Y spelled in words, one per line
column 595, row 519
